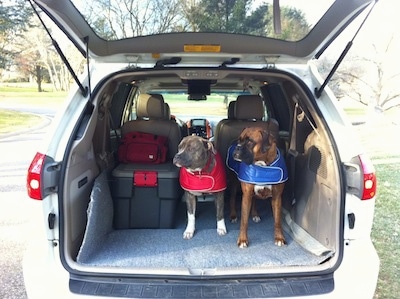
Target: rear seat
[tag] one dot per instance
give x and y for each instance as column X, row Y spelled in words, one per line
column 248, row 112
column 152, row 117
column 146, row 195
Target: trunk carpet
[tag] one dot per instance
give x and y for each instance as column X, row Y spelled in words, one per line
column 166, row 248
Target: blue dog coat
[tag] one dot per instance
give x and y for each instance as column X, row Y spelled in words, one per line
column 274, row 173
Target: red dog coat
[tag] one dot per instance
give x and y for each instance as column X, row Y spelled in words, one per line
column 203, row 181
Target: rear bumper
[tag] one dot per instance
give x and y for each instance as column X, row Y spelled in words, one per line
column 205, row 288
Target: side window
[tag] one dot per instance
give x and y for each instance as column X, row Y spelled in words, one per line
column 120, row 104
column 266, row 115
column 277, row 103
column 130, row 106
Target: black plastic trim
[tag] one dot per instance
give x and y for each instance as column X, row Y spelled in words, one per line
column 257, row 288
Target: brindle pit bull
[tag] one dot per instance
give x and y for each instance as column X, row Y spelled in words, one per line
column 258, row 147
column 202, row 172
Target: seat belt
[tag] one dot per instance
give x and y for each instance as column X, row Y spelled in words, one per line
column 293, row 153
column 105, row 157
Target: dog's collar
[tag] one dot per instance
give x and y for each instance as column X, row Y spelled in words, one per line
column 274, row 173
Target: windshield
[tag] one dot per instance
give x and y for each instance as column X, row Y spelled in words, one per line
column 214, row 106
column 199, row 116
column 291, row 20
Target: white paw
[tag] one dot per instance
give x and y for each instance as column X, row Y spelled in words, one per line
column 243, row 245
column 188, row 234
column 190, row 228
column 221, row 228
column 280, row 243
column 256, row 219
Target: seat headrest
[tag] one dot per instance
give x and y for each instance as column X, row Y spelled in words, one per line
column 150, row 106
column 167, row 111
column 231, row 109
column 249, row 107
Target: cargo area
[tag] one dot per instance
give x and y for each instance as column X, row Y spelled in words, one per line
column 130, row 218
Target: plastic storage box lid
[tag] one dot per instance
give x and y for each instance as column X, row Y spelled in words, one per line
column 164, row 170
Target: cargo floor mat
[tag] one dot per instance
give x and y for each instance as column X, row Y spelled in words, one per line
column 166, row 248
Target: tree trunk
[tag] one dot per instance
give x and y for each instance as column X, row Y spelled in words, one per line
column 39, row 77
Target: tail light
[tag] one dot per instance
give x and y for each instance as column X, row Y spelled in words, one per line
column 369, row 178
column 34, row 183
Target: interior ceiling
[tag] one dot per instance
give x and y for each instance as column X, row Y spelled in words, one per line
column 227, row 79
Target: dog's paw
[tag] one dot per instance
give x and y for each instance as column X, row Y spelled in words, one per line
column 234, row 220
column 188, row 234
column 280, row 242
column 256, row 219
column 221, row 228
column 221, row 232
column 242, row 243
column 190, row 227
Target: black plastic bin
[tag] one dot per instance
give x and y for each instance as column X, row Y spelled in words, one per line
column 145, row 195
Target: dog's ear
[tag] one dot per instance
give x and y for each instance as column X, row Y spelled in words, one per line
column 266, row 142
column 210, row 146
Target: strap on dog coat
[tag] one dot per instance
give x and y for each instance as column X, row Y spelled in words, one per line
column 205, row 181
column 274, row 173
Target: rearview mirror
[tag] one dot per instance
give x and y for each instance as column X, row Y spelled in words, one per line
column 197, row 97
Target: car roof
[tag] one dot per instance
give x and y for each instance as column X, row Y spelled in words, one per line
column 76, row 20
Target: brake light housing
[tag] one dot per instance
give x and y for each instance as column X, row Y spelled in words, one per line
column 369, row 178
column 34, row 177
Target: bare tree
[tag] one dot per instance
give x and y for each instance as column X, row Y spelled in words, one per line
column 29, row 55
column 127, row 18
column 370, row 80
column 38, row 59
column 379, row 82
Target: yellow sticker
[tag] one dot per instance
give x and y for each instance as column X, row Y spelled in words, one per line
column 202, row 48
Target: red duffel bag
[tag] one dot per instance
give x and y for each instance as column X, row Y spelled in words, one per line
column 139, row 147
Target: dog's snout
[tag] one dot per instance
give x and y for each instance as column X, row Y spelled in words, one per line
column 178, row 160
column 242, row 153
column 237, row 153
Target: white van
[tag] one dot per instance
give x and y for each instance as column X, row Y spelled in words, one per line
column 110, row 235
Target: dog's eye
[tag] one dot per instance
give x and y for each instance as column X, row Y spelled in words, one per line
column 250, row 143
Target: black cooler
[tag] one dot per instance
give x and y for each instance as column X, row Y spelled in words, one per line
column 145, row 195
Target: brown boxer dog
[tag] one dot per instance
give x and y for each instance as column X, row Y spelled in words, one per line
column 256, row 146
column 202, row 172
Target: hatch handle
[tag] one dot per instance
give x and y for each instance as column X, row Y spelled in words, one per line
column 231, row 61
column 167, row 61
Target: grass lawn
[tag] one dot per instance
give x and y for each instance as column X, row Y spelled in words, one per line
column 24, row 95
column 11, row 121
column 386, row 230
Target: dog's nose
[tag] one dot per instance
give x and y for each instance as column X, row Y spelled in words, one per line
column 237, row 153
column 175, row 160
column 237, row 158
